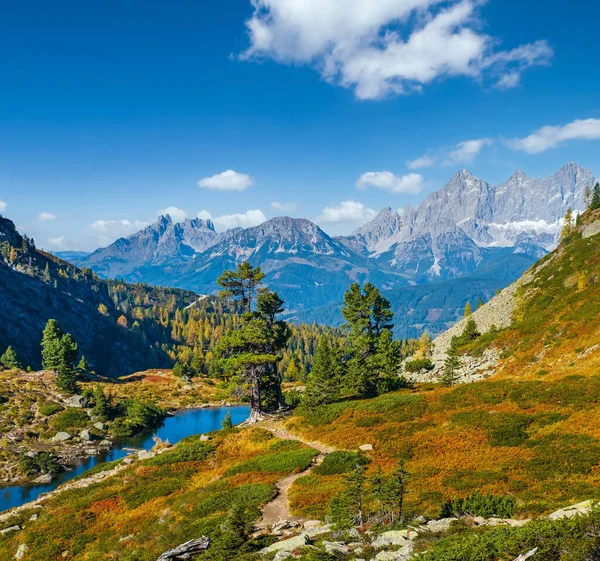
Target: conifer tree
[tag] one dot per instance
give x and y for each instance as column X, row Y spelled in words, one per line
column 83, row 364
column 397, row 493
column 451, row 364
column 568, row 227
column 51, row 345
column 101, row 404
column 468, row 310
column 227, row 422
column 324, row 381
column 355, row 492
column 595, row 200
column 46, row 275
column 241, row 284
column 66, row 378
column 10, row 359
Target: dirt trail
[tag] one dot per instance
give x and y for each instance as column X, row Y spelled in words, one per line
column 279, row 508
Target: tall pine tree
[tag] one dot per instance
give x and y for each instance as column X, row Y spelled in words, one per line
column 51, row 345
column 325, row 380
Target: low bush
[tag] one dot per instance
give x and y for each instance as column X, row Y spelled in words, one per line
column 190, row 449
column 339, row 462
column 478, row 504
column 69, row 420
column 48, row 408
column 43, row 462
column 295, row 458
column 418, row 364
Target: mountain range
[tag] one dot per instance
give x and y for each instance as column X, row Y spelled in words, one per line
column 472, row 235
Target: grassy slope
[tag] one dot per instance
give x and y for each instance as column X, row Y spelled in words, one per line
column 532, row 431
column 162, row 502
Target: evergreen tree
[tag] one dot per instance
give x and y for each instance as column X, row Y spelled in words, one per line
column 388, row 359
column 451, row 364
column 101, row 404
column 46, row 275
column 83, row 364
column 595, row 200
column 235, row 529
column 251, row 352
column 368, row 316
column 397, row 491
column 324, row 381
column 51, row 345
column 241, row 284
column 10, row 359
column 355, row 493
column 66, row 378
column 227, row 422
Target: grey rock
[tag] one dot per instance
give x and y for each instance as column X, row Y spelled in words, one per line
column 442, row 525
column 61, row 437
column 100, row 426
column 281, row 555
column 590, row 230
column 10, row 530
column 43, row 479
column 21, row 551
column 105, row 443
column 584, row 507
column 85, row 435
column 77, row 401
column 145, row 454
column 288, row 545
column 366, row 448
column 393, row 537
column 34, row 517
column 336, row 548
column 318, row 531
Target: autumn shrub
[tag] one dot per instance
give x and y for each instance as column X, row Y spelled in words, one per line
column 339, row 462
column 48, row 408
column 323, row 414
column 366, row 422
column 477, row 504
column 295, row 458
column 70, row 419
column 191, row 449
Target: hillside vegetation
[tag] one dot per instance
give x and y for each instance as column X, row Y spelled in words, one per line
column 530, row 432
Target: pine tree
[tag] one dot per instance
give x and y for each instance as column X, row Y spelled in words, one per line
column 425, row 347
column 227, row 422
column 66, row 378
column 324, row 381
column 355, row 492
column 398, row 491
column 51, row 345
column 241, row 284
column 368, row 315
column 595, row 200
column 388, row 361
column 46, row 275
column 83, row 364
column 451, row 364
column 101, row 404
column 10, row 359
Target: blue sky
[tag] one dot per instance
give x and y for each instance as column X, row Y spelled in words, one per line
column 114, row 111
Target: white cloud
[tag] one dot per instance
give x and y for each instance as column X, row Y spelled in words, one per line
column 386, row 180
column 244, row 220
column 227, row 181
column 110, row 230
column 204, row 215
column 347, row 211
column 57, row 243
column 176, row 214
column 3, row 205
column 385, row 47
column 46, row 217
column 422, row 162
column 551, row 136
column 465, row 152
column 283, row 207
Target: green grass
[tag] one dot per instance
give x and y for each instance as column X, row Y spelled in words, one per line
column 286, row 456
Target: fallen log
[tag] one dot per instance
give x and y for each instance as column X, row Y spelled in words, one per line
column 186, row 550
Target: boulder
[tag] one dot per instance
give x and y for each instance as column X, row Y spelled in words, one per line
column 442, row 525
column 336, row 548
column 317, row 531
column 145, row 455
column 10, row 530
column 43, row 479
column 204, row 438
column 105, row 443
column 77, row 401
column 21, row 551
column 100, row 426
column 402, row 554
column 288, row 545
column 366, row 448
column 313, row 524
column 580, row 508
column 61, row 437
column 34, row 517
column 281, row 555
column 393, row 537
column 86, row 435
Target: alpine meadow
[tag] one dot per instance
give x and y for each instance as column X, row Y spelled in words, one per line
column 300, row 280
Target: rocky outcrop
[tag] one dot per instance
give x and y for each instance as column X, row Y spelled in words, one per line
column 589, row 230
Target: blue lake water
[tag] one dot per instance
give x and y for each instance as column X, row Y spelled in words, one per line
column 175, row 428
